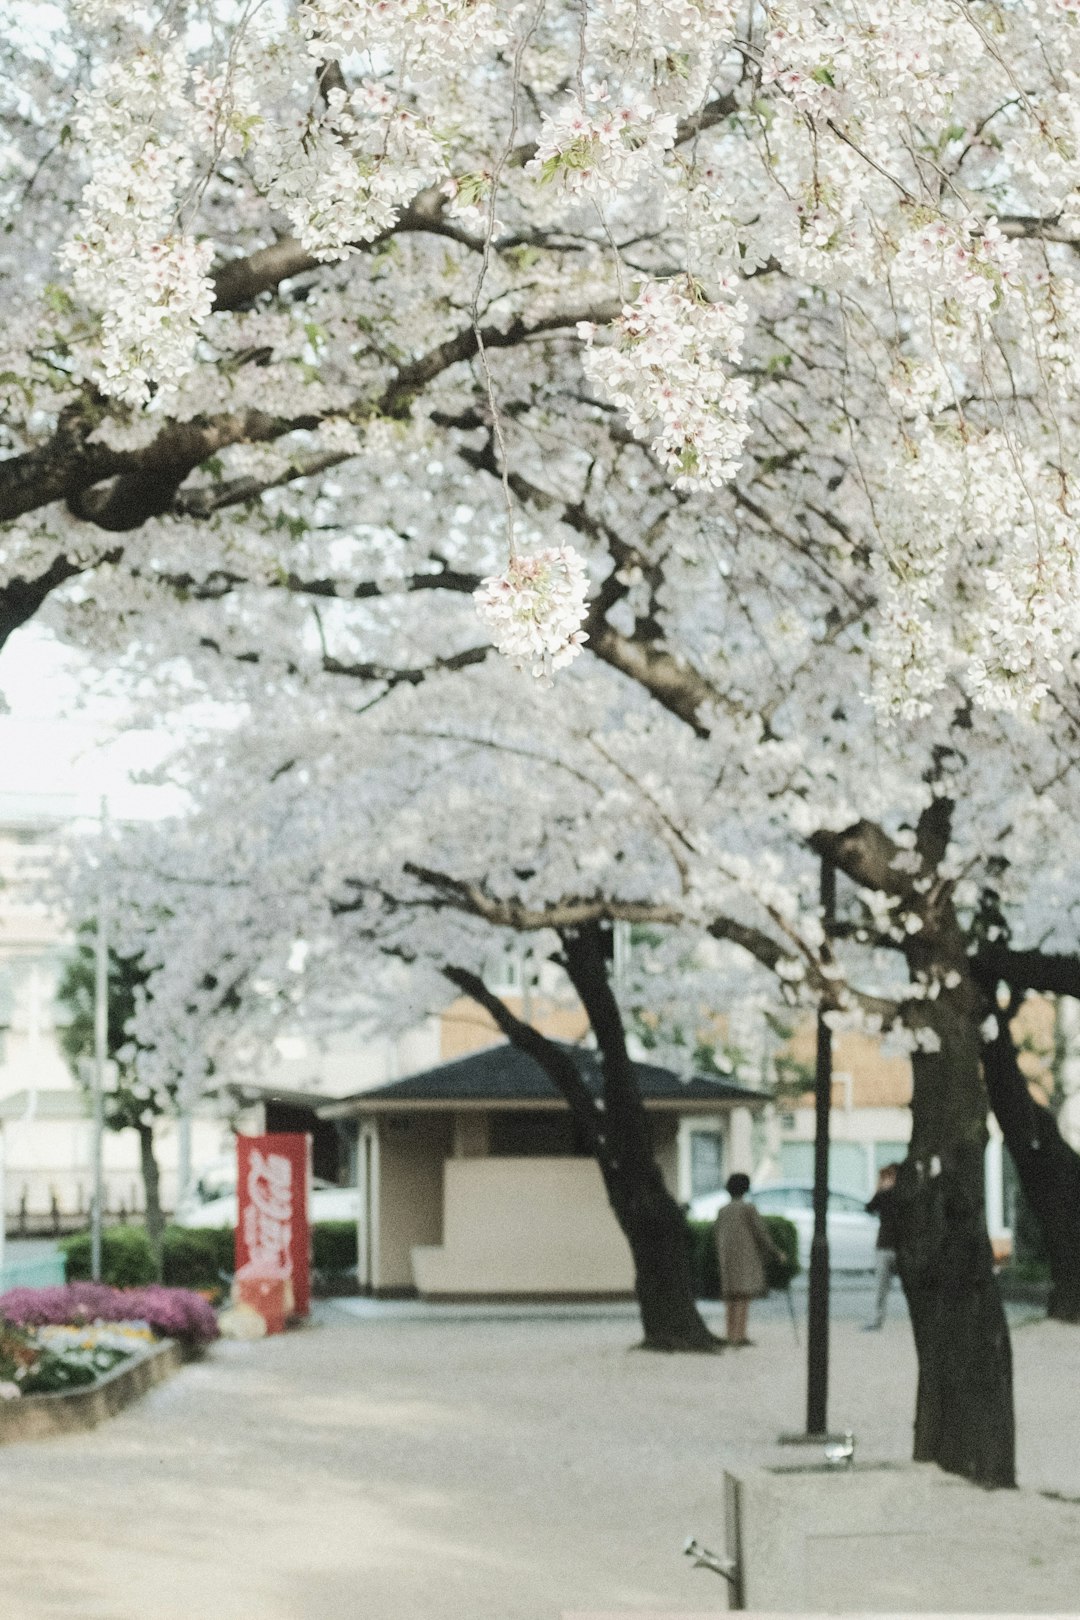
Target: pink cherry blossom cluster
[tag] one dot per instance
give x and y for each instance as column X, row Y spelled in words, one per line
column 535, row 609
column 130, row 260
column 443, row 27
column 601, row 147
column 350, row 175
column 668, row 370
column 969, row 261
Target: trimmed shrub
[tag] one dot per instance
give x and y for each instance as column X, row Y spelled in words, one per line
column 195, row 1257
column 334, row 1246
column 198, row 1257
column 127, row 1260
column 706, row 1270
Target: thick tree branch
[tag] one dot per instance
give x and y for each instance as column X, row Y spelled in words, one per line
column 568, row 913
column 556, row 1063
column 576, row 912
column 239, row 281
column 385, row 675
column 1051, row 973
column 21, row 598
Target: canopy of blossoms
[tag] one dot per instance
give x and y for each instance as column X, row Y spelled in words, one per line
column 810, row 267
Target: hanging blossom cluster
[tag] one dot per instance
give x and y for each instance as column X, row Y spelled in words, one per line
column 668, row 370
column 881, row 58
column 129, row 259
column 662, row 33
column 350, row 175
column 600, row 148
column 535, row 609
column 985, row 505
column 969, row 262
column 444, row 30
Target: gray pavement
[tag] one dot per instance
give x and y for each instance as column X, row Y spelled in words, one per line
column 437, row 1468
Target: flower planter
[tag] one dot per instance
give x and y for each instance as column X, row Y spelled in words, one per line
column 38, row 1417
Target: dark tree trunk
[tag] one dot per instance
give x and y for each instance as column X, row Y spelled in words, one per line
column 655, row 1229
column 620, row 1138
column 154, row 1218
column 964, row 1417
column 654, row 1225
column 1048, row 1168
column 964, row 1410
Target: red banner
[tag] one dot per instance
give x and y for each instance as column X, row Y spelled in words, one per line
column 273, row 1233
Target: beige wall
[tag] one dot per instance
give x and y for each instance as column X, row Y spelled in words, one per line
column 525, row 1226
column 412, row 1150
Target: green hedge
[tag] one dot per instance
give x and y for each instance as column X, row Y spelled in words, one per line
column 127, row 1260
column 195, row 1257
column 192, row 1257
column 334, row 1246
column 706, row 1270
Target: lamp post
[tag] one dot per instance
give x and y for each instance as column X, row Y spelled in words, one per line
column 817, row 1352
column 817, row 1336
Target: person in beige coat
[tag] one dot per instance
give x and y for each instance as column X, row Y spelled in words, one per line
column 742, row 1246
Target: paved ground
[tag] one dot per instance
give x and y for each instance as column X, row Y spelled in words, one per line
column 396, row 1469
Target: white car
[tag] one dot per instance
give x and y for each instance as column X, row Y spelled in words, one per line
column 328, row 1203
column 852, row 1233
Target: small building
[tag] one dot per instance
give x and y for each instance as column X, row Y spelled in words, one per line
column 474, row 1185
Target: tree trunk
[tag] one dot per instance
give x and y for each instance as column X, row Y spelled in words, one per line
column 620, row 1139
column 154, row 1218
column 964, row 1407
column 654, row 1225
column 964, row 1411
column 1048, row 1168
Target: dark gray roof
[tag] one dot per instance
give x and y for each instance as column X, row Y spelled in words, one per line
column 504, row 1074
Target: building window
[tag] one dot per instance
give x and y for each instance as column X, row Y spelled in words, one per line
column 706, row 1162
column 505, row 974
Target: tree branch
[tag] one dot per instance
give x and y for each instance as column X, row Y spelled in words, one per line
column 1051, row 973
column 557, row 1064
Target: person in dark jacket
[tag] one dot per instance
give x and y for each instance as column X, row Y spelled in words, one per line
column 742, row 1246
column 883, row 1205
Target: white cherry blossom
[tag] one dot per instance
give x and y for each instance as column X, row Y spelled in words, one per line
column 536, row 608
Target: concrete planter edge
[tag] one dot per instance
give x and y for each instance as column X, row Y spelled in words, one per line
column 71, row 1411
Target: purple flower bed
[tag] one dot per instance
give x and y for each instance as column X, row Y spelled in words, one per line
column 174, row 1313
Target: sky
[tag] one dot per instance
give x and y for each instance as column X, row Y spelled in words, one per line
column 62, row 746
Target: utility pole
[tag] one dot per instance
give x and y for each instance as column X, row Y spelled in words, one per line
column 817, row 1355
column 101, row 1054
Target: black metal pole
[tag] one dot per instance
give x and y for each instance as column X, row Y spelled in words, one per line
column 817, row 1353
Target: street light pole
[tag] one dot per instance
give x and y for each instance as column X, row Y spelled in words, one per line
column 817, row 1355
column 101, row 1057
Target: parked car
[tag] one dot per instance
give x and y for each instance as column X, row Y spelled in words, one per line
column 852, row 1233
column 328, row 1203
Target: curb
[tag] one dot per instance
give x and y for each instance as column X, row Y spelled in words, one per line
column 39, row 1417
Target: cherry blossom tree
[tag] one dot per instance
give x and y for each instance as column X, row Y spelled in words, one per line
column 248, row 240
column 325, row 318
column 467, row 804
